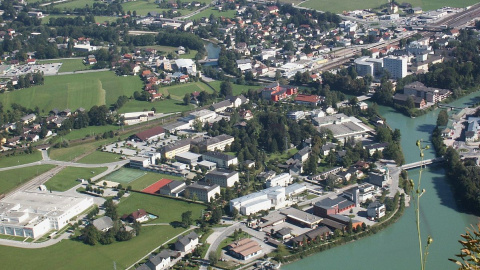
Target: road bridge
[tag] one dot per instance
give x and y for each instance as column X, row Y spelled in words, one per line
column 418, row 164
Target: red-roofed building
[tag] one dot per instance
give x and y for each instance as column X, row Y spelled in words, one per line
column 308, row 99
column 272, row 9
column 146, row 72
column 277, row 92
column 149, row 134
column 31, row 61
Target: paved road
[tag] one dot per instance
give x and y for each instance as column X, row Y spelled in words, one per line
column 66, row 164
column 80, row 72
column 219, row 238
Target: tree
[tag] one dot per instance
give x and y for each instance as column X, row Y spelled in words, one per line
column 90, row 235
column 213, row 257
column 187, row 218
column 186, row 99
column 442, row 118
column 110, row 209
column 226, row 88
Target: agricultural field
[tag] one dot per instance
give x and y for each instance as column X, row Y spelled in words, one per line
column 150, row 178
column 217, row 13
column 74, row 91
column 168, row 210
column 163, row 106
column 72, row 254
column 67, row 178
column 20, row 159
column 348, row 5
column 13, row 178
column 68, row 65
column 237, row 88
column 99, row 157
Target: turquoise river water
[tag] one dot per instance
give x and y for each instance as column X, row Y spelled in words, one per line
column 396, row 247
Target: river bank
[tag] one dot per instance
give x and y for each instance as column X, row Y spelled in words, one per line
column 396, row 247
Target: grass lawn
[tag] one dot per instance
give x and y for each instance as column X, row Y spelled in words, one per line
column 70, row 254
column 68, row 65
column 237, row 89
column 144, row 6
column 89, row 131
column 74, row 91
column 282, row 156
column 75, row 4
column 69, row 153
column 99, row 157
column 19, row 159
column 217, row 13
column 167, row 210
column 348, row 5
column 102, row 19
column 311, row 196
column 13, row 178
column 163, row 106
column 46, row 20
column 178, row 91
column 67, row 178
column 149, row 179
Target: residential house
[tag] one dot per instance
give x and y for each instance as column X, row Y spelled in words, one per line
column 187, row 243
column 103, row 224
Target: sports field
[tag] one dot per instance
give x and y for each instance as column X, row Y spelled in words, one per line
column 153, row 188
column 68, row 65
column 124, row 176
column 74, row 91
column 338, row 6
column 150, row 178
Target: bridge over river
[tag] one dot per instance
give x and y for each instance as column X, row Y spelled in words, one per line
column 417, row 164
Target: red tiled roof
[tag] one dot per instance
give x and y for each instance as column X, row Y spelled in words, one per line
column 307, row 98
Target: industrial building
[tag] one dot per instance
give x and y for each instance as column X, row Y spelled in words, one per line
column 32, row 214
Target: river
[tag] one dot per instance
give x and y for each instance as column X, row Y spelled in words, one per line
column 396, row 247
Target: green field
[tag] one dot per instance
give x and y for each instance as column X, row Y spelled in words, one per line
column 178, row 91
column 237, row 88
column 13, row 178
column 99, row 157
column 70, row 153
column 91, row 131
column 163, row 106
column 70, row 254
column 74, row 91
column 125, row 176
column 144, row 6
column 167, row 210
column 19, row 159
column 68, row 65
column 67, row 178
column 149, row 179
column 75, row 4
column 217, row 13
column 348, row 5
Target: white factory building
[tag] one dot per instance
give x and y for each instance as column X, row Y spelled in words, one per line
column 273, row 197
column 32, row 214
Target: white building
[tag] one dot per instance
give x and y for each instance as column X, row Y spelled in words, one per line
column 222, row 160
column 376, row 210
column 32, row 214
column 258, row 201
column 396, row 66
column 283, row 180
column 186, row 65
